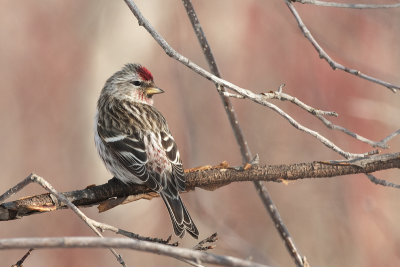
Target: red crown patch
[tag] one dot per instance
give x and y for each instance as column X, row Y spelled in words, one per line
column 145, row 74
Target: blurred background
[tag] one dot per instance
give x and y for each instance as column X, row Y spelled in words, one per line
column 56, row 55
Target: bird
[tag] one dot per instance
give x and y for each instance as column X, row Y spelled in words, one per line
column 134, row 141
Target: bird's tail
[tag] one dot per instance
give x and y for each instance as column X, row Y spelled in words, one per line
column 180, row 217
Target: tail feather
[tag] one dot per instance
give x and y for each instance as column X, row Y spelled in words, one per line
column 180, row 217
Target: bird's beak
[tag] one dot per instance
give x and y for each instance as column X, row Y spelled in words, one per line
column 153, row 90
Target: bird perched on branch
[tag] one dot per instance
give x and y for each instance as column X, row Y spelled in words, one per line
column 133, row 139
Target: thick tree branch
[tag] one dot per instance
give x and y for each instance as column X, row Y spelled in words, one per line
column 209, row 179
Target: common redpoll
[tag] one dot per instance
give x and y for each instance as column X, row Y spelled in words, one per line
column 133, row 139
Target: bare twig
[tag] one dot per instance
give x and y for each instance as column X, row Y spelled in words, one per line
column 244, row 148
column 285, row 97
column 21, row 261
column 116, row 230
column 332, row 126
column 322, row 54
column 207, row 243
column 384, row 141
column 320, row 115
column 13, row 190
column 33, row 178
column 315, row 134
column 230, row 111
column 257, row 98
column 375, row 180
column 202, row 247
column 347, row 5
column 227, row 94
column 95, row 242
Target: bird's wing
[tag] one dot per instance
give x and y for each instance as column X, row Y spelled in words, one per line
column 175, row 181
column 131, row 153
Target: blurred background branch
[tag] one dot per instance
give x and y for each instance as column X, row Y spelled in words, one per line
column 334, row 65
column 245, row 152
column 347, row 5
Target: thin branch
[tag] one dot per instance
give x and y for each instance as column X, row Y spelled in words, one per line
column 384, row 141
column 227, row 94
column 201, row 246
column 207, row 243
column 116, row 230
column 315, row 134
column 257, row 98
column 59, row 198
column 21, row 261
column 285, row 97
column 320, row 115
column 209, row 179
column 334, row 65
column 347, row 5
column 95, row 242
column 15, row 189
column 283, row 231
column 378, row 181
column 333, row 126
column 230, row 112
column 37, row 204
column 244, row 148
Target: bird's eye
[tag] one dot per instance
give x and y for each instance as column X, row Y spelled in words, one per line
column 136, row 83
